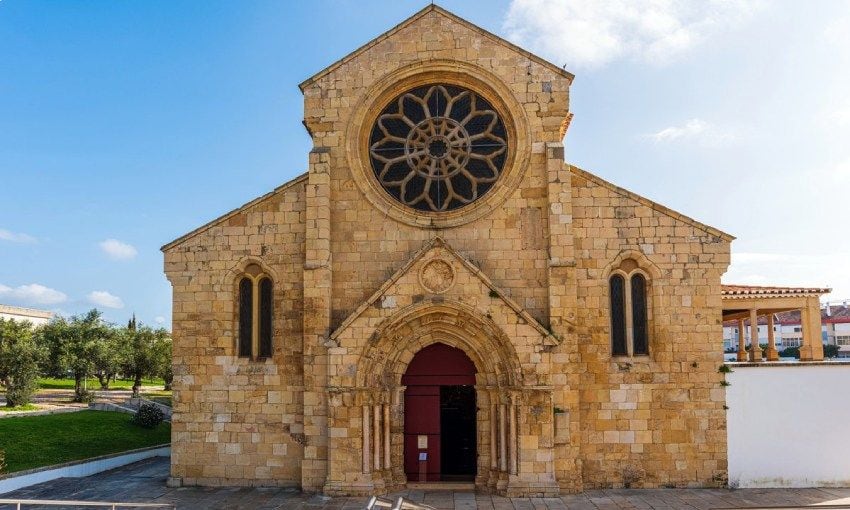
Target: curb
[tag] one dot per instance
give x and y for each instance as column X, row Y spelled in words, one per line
column 79, row 468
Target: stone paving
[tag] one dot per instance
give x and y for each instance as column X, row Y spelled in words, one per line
column 145, row 482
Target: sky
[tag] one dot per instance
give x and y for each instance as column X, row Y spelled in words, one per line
column 124, row 125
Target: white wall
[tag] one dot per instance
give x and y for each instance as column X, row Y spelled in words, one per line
column 788, row 425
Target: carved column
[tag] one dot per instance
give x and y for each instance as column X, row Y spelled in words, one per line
column 512, row 437
column 366, row 436
column 387, row 456
column 772, row 354
column 503, row 439
column 494, row 427
column 755, row 348
column 742, row 341
column 376, row 432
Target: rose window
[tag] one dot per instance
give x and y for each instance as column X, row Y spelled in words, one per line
column 438, row 147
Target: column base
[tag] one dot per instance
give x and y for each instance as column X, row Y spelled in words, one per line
column 755, row 355
column 742, row 355
column 771, row 354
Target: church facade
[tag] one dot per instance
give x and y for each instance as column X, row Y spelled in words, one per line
column 441, row 297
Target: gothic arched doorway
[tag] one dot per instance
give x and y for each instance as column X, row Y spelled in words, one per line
column 440, row 416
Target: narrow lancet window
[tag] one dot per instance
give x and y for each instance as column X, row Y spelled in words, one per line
column 618, row 316
column 246, row 316
column 639, row 315
column 265, row 318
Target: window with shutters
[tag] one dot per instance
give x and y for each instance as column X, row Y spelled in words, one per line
column 255, row 312
column 628, row 290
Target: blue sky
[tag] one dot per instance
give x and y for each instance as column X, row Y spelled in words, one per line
column 127, row 124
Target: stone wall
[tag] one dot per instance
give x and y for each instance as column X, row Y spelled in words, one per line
column 528, row 302
column 238, row 421
column 657, row 418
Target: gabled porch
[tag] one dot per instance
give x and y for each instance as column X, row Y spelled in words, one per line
column 742, row 302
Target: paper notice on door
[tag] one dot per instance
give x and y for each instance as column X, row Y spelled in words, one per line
column 422, row 442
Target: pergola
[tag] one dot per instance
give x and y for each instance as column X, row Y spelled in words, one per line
column 741, row 302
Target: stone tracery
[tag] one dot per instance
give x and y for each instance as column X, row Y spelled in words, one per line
column 438, row 147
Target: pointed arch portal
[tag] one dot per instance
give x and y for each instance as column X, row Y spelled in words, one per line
column 440, row 415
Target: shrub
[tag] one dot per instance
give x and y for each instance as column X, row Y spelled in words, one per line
column 148, row 416
column 790, row 352
column 830, row 351
column 84, row 396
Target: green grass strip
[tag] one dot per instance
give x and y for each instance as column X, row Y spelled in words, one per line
column 37, row 441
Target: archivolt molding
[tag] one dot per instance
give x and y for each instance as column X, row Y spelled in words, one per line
column 644, row 264
column 400, row 337
column 239, row 268
column 451, row 72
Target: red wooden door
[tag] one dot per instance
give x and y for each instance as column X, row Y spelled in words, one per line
column 434, row 366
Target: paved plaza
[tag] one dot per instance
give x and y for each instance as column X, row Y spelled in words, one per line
column 145, row 482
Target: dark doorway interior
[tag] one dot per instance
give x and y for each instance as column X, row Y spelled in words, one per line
column 457, row 426
column 440, row 416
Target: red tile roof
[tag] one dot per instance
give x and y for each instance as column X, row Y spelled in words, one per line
column 756, row 290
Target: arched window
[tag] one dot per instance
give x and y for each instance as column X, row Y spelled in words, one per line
column 618, row 316
column 640, row 342
column 627, row 288
column 255, row 313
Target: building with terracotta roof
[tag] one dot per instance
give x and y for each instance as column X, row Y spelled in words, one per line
column 20, row 314
column 788, row 329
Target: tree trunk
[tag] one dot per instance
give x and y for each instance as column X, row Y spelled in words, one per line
column 6, row 383
column 78, row 387
column 137, row 384
column 103, row 379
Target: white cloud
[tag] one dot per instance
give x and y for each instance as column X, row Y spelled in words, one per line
column 15, row 237
column 697, row 130
column 32, row 294
column 582, row 33
column 159, row 319
column 117, row 250
column 837, row 32
column 105, row 299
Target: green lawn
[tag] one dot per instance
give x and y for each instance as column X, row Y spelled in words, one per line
column 93, row 384
column 25, row 407
column 36, row 441
column 161, row 396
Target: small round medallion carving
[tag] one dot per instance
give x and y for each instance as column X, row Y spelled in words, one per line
column 437, row 276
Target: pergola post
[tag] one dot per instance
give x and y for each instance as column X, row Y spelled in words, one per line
column 742, row 341
column 771, row 354
column 755, row 348
column 812, row 348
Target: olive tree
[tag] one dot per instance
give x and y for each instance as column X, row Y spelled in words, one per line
column 140, row 353
column 74, row 345
column 20, row 356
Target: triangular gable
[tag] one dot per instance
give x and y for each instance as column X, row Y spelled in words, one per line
column 649, row 203
column 413, row 19
column 549, row 338
column 228, row 215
